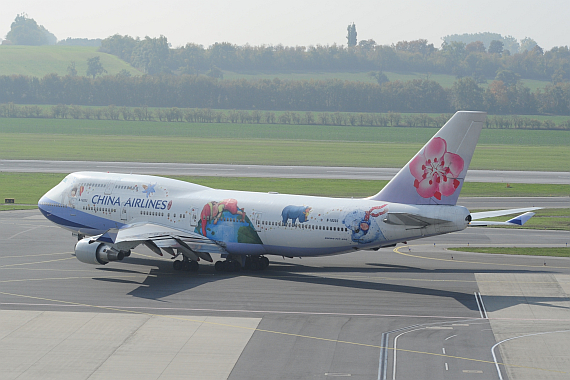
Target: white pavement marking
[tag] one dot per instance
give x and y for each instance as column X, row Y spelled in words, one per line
column 517, row 337
column 68, row 345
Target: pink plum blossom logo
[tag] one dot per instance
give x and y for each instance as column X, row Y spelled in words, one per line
column 436, row 170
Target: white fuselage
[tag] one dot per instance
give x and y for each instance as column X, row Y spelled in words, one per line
column 245, row 223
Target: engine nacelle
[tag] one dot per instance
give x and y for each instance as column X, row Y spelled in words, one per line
column 96, row 253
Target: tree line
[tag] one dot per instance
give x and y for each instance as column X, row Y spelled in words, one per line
column 153, row 56
column 201, row 115
column 333, row 95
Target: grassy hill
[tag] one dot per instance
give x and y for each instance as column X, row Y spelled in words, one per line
column 38, row 61
column 41, row 60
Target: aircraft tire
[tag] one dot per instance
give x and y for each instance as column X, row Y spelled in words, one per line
column 177, row 265
column 219, row 266
column 194, row 266
column 233, row 266
column 264, row 261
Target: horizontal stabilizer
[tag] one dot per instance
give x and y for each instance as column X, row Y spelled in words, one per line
column 490, row 214
column 516, row 221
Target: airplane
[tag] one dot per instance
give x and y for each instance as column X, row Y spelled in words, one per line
column 113, row 213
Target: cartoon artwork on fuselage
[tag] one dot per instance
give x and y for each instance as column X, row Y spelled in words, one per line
column 149, row 189
column 224, row 220
column 295, row 213
column 363, row 224
column 70, row 195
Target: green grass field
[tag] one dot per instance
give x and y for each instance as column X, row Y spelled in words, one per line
column 27, row 188
column 545, row 219
column 532, row 251
column 262, row 151
column 407, row 135
column 38, row 61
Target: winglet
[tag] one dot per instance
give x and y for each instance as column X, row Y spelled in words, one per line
column 521, row 219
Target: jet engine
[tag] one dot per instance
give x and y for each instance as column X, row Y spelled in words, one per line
column 96, row 253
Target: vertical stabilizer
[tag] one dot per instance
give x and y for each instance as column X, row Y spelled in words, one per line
column 436, row 174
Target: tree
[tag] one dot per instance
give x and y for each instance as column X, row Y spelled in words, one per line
column 475, row 47
column 508, row 77
column 496, row 47
column 71, row 70
column 466, row 95
column 367, row 44
column 26, row 31
column 94, row 67
column 215, row 72
column 527, row 44
column 124, row 73
column 379, row 76
column 351, row 36
column 151, row 54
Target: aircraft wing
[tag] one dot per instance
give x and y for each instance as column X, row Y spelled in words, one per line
column 157, row 237
column 516, row 221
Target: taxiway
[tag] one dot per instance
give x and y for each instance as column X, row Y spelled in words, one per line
column 409, row 313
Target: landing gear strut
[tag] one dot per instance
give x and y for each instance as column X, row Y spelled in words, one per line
column 186, row 265
column 234, row 264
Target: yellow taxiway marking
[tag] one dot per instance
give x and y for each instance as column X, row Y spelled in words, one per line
column 40, row 254
column 36, row 262
column 272, row 331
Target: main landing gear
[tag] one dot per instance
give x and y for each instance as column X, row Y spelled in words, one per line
column 234, row 264
column 186, row 265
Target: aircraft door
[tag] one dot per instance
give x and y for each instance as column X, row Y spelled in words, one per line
column 109, row 188
column 194, row 217
column 257, row 220
column 124, row 214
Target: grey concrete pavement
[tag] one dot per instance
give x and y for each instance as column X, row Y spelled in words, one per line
column 318, row 318
column 267, row 171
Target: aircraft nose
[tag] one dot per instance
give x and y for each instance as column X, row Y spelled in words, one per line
column 42, row 205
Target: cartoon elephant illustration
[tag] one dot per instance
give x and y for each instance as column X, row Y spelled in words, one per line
column 295, row 213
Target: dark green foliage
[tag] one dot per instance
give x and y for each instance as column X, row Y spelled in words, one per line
column 151, row 55
column 508, row 77
column 284, row 95
column 80, row 42
column 94, row 67
column 508, row 42
column 496, row 47
column 26, row 31
column 351, row 36
column 71, row 70
column 458, row 56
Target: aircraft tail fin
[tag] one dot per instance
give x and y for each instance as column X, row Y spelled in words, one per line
column 436, row 174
